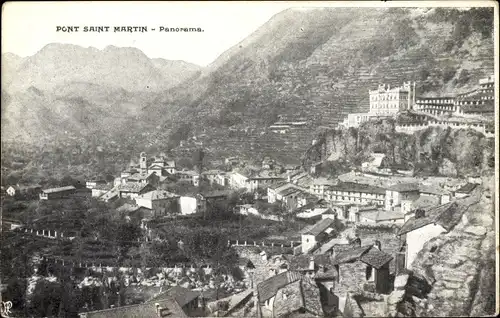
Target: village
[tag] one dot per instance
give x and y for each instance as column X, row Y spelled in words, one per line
column 360, row 232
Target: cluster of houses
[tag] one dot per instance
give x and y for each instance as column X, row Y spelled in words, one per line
column 467, row 110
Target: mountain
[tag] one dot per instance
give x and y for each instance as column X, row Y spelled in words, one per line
column 319, row 63
column 70, row 91
column 127, row 68
column 10, row 63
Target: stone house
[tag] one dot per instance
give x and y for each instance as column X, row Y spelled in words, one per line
column 288, row 293
column 207, row 200
column 190, row 301
column 161, row 202
column 318, row 233
column 133, row 190
column 362, row 266
column 399, row 192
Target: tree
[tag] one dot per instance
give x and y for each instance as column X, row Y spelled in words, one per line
column 205, row 244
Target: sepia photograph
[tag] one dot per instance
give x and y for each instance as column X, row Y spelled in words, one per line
column 265, row 159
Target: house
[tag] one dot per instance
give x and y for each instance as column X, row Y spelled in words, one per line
column 408, row 207
column 361, row 266
column 398, row 192
column 23, row 190
column 208, row 199
column 100, row 189
column 189, row 176
column 466, row 190
column 444, row 196
column 57, row 193
column 355, row 193
column 148, row 178
column 320, row 185
column 253, row 180
column 215, row 177
column 160, row 201
column 91, row 184
column 313, row 212
column 111, row 195
column 167, row 307
column 133, row 190
column 190, row 301
column 188, row 205
column 428, row 223
column 378, row 216
column 288, row 293
column 317, row 234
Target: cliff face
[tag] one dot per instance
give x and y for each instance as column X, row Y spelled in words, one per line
column 456, row 268
column 434, row 151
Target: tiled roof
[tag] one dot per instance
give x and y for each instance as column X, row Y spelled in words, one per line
column 26, row 187
column 467, row 188
column 107, row 186
column 278, row 185
column 447, row 215
column 404, row 187
column 356, row 187
column 331, row 273
column 131, row 187
column 158, row 195
column 375, row 258
column 320, row 227
column 269, row 287
column 324, row 181
column 389, row 215
column 351, row 255
column 303, row 261
column 110, row 194
column 60, row 189
column 216, row 194
column 183, row 296
column 139, row 176
column 425, row 202
column 433, row 190
column 288, row 191
column 169, row 308
column 330, row 244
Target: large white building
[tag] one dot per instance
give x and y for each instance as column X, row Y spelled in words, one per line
column 384, row 102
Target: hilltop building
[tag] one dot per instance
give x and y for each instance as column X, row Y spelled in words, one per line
column 384, row 102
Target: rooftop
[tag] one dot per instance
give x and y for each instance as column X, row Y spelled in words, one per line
column 468, row 188
column 320, row 227
column 60, row 189
column 357, row 187
column 447, row 215
column 168, row 308
column 131, row 187
column 375, row 258
column 183, row 296
column 269, row 287
column 158, row 195
column 404, row 187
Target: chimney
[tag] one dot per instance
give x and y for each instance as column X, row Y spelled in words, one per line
column 377, row 245
column 158, row 309
column 311, row 263
column 420, row 213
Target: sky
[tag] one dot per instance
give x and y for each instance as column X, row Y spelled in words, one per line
column 28, row 26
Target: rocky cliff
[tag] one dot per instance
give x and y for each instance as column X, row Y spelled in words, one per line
column 434, row 151
column 454, row 274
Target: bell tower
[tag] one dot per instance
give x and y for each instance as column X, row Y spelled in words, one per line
column 143, row 163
